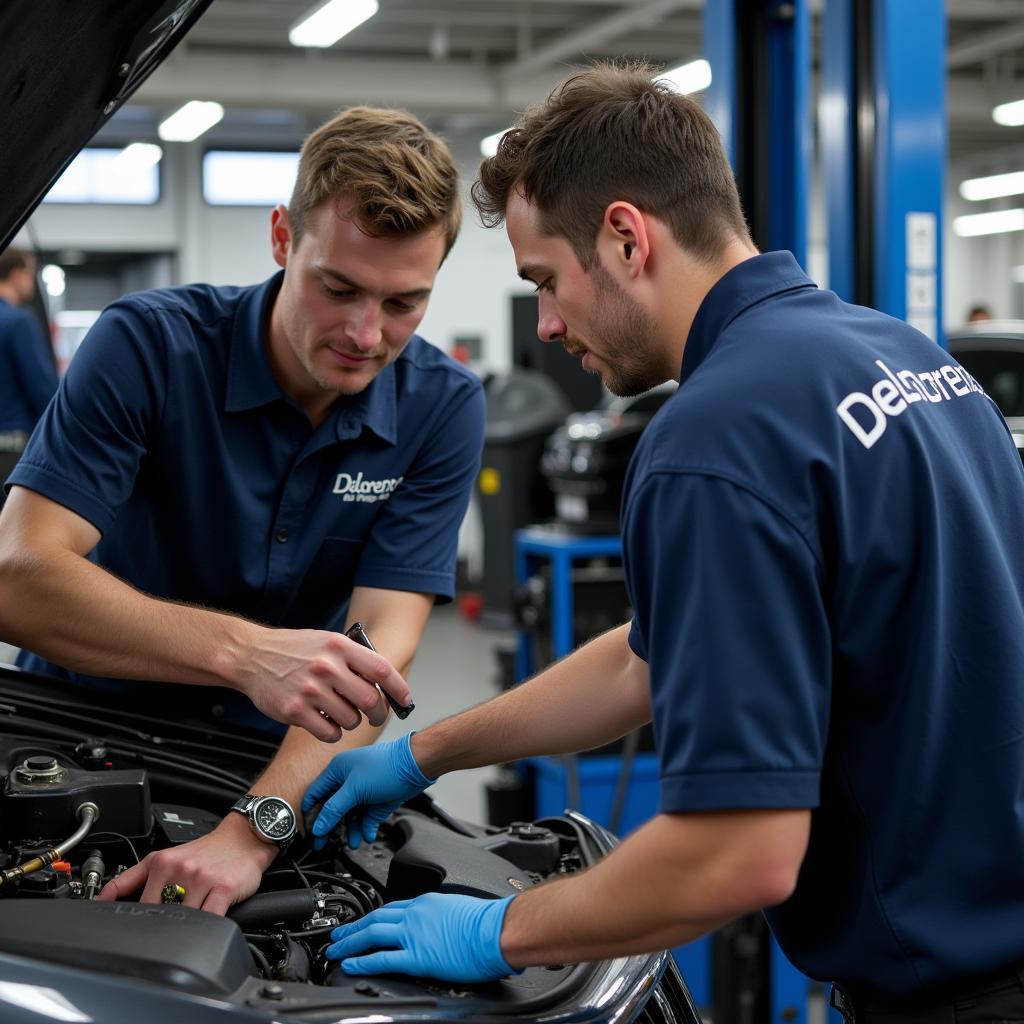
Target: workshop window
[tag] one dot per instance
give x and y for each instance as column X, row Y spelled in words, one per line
column 109, row 176
column 248, row 178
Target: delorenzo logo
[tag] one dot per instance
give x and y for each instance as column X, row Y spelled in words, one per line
column 867, row 415
column 356, row 488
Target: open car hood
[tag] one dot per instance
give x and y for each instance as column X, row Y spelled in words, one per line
column 66, row 68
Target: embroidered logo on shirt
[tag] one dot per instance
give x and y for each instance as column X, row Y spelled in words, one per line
column 356, row 488
column 896, row 392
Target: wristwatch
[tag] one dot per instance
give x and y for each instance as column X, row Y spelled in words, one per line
column 270, row 817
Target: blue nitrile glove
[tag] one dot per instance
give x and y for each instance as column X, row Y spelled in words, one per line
column 440, row 935
column 370, row 782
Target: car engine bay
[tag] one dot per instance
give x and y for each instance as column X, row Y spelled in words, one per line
column 88, row 790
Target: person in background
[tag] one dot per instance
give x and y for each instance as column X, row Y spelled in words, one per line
column 979, row 314
column 823, row 544
column 28, row 375
column 229, row 478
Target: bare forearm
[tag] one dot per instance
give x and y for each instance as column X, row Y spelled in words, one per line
column 106, row 627
column 593, row 696
column 700, row 871
column 302, row 757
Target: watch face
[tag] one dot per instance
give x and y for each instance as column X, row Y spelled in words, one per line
column 274, row 818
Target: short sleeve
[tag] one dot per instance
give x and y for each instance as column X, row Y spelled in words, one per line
column 730, row 617
column 414, row 541
column 85, row 452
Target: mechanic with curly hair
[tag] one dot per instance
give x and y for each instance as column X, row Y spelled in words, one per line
column 229, row 477
column 823, row 540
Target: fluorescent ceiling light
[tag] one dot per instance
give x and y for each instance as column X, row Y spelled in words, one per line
column 190, row 121
column 138, row 156
column 1011, row 114
column 989, row 223
column 326, row 24
column 993, row 187
column 688, row 78
column 489, row 145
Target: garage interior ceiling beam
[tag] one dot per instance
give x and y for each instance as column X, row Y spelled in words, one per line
column 638, row 15
column 985, row 44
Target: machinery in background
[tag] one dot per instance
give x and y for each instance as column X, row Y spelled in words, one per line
column 523, row 407
column 586, row 458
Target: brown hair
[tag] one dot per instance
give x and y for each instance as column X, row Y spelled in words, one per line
column 400, row 175
column 12, row 259
column 608, row 133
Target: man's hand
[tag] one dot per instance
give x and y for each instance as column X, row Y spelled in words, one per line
column 440, row 935
column 372, row 782
column 323, row 682
column 216, row 871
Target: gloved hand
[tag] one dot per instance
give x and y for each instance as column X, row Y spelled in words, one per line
column 440, row 935
column 370, row 782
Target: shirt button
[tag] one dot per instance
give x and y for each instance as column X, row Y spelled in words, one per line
column 282, row 536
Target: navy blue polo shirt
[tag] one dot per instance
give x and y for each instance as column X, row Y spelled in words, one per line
column 171, row 435
column 824, row 542
column 28, row 378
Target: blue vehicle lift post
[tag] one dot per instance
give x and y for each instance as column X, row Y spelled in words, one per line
column 882, row 143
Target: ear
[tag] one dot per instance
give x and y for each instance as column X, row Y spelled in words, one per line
column 280, row 235
column 624, row 238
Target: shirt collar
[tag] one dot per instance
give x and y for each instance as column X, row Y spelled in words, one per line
column 251, row 381
column 734, row 293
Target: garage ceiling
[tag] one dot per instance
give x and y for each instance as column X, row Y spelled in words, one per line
column 468, row 65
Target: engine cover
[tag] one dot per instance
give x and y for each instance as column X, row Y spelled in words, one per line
column 179, row 947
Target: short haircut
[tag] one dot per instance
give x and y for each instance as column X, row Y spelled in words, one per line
column 12, row 259
column 400, row 176
column 612, row 132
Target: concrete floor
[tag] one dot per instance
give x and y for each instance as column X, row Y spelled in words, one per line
column 454, row 669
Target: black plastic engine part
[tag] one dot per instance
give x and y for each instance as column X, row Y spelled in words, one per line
column 42, row 794
column 175, row 946
column 434, row 859
column 46, row 883
column 526, row 846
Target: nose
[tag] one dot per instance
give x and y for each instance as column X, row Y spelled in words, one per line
column 550, row 326
column 364, row 329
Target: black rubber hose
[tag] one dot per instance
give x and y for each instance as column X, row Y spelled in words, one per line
column 269, row 908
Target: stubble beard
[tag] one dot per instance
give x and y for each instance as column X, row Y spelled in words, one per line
column 627, row 333
column 325, row 383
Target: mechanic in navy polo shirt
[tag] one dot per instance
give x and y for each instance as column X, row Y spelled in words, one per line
column 228, row 477
column 28, row 376
column 823, row 537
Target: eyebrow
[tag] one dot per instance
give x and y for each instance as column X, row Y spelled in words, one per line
column 532, row 271
column 414, row 293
